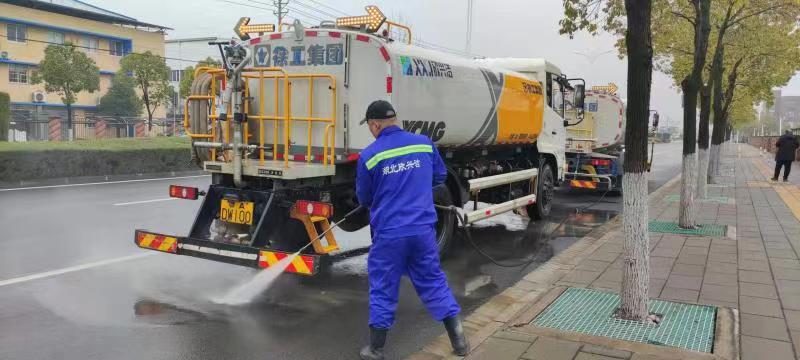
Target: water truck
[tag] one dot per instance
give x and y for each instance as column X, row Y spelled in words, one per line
column 277, row 129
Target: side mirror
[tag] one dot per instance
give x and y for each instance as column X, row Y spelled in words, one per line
column 579, row 96
column 566, row 123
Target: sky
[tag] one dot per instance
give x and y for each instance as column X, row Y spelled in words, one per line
column 501, row 28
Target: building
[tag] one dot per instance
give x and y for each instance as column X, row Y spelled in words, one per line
column 27, row 27
column 785, row 111
column 183, row 53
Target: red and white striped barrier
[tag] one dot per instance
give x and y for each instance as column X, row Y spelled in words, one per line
column 54, row 129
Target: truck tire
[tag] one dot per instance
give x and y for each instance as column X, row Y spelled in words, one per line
column 446, row 220
column 545, row 184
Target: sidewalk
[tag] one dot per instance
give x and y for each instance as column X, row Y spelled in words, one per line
column 754, row 268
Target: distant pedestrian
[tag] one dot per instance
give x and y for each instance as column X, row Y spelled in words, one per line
column 786, row 152
column 395, row 179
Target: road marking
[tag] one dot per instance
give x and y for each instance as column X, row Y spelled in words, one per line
column 70, row 269
column 143, row 201
column 103, row 183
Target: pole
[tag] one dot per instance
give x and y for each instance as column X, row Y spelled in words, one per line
column 282, row 10
column 468, row 45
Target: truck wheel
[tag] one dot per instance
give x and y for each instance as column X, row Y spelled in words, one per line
column 545, row 189
column 446, row 220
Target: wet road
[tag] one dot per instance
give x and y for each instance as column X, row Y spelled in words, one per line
column 74, row 286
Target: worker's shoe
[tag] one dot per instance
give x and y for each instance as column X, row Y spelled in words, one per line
column 377, row 339
column 774, row 179
column 456, row 334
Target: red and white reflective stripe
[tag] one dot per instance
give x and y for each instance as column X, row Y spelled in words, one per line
column 255, row 41
column 385, row 53
column 275, row 36
column 310, row 33
column 363, row 38
column 602, row 96
column 334, row 34
column 388, row 84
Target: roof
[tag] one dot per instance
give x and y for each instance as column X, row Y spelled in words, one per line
column 522, row 64
column 80, row 9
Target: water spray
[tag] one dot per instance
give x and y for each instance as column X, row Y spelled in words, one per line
column 247, row 291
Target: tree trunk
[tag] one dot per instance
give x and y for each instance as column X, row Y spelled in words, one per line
column 70, row 132
column 636, row 247
column 687, row 215
column 721, row 121
column 702, row 139
column 149, row 120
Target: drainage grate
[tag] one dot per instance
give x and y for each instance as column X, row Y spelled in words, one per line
column 714, row 199
column 673, row 228
column 589, row 311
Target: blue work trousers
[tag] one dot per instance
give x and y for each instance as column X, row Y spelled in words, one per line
column 418, row 257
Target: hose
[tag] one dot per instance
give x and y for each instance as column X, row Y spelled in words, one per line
column 468, row 235
column 333, row 226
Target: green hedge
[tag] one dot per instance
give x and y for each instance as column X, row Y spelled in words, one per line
column 47, row 160
column 5, row 115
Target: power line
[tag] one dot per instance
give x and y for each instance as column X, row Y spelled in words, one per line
column 324, row 13
column 99, row 49
column 281, row 8
column 330, row 8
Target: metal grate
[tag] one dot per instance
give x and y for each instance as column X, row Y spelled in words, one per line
column 714, row 199
column 673, row 228
column 590, row 311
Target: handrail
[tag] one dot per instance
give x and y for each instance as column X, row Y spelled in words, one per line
column 389, row 25
column 281, row 77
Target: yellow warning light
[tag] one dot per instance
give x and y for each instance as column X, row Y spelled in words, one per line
column 373, row 20
column 242, row 28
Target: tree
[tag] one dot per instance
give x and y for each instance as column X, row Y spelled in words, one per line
column 121, row 99
column 5, row 115
column 67, row 72
column 151, row 75
column 636, row 27
column 188, row 75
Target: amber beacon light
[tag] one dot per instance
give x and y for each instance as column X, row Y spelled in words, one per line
column 373, row 20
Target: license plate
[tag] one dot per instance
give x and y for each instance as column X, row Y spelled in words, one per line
column 237, row 212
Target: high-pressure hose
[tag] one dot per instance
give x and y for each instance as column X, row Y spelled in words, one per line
column 465, row 227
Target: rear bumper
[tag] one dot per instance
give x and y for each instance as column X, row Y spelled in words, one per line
column 242, row 255
column 590, row 181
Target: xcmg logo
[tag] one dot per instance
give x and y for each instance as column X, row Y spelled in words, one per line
column 427, row 68
column 431, row 129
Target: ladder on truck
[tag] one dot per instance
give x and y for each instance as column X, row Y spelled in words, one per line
column 476, row 185
column 273, row 160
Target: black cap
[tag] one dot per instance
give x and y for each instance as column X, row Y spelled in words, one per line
column 379, row 110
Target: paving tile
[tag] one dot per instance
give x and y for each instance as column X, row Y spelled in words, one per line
column 755, row 276
column 698, row 241
column 655, row 286
column 600, row 350
column 496, row 349
column 754, row 348
column 760, row 306
column 764, row 327
column 790, row 301
column 758, row 290
column 721, row 267
column 661, row 261
column 581, row 276
column 786, row 273
column 788, row 286
column 719, row 278
column 692, row 259
column 551, row 349
column 684, row 282
column 679, row 294
column 792, row 319
column 689, row 270
column 589, row 356
column 694, row 250
column 516, row 336
column 593, row 265
column 786, row 263
column 754, row 265
column 720, row 292
column 604, row 256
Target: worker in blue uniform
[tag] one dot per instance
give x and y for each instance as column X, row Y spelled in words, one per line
column 395, row 179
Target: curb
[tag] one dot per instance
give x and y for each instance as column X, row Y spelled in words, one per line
column 503, row 310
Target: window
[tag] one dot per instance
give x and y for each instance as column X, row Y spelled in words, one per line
column 555, row 94
column 116, row 48
column 90, row 44
column 17, row 73
column 55, row 37
column 17, row 32
column 175, row 75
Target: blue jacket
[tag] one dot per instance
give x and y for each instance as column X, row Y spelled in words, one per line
column 395, row 179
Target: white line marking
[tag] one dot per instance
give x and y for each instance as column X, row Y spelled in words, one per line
column 70, row 269
column 102, row 183
column 143, row 201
